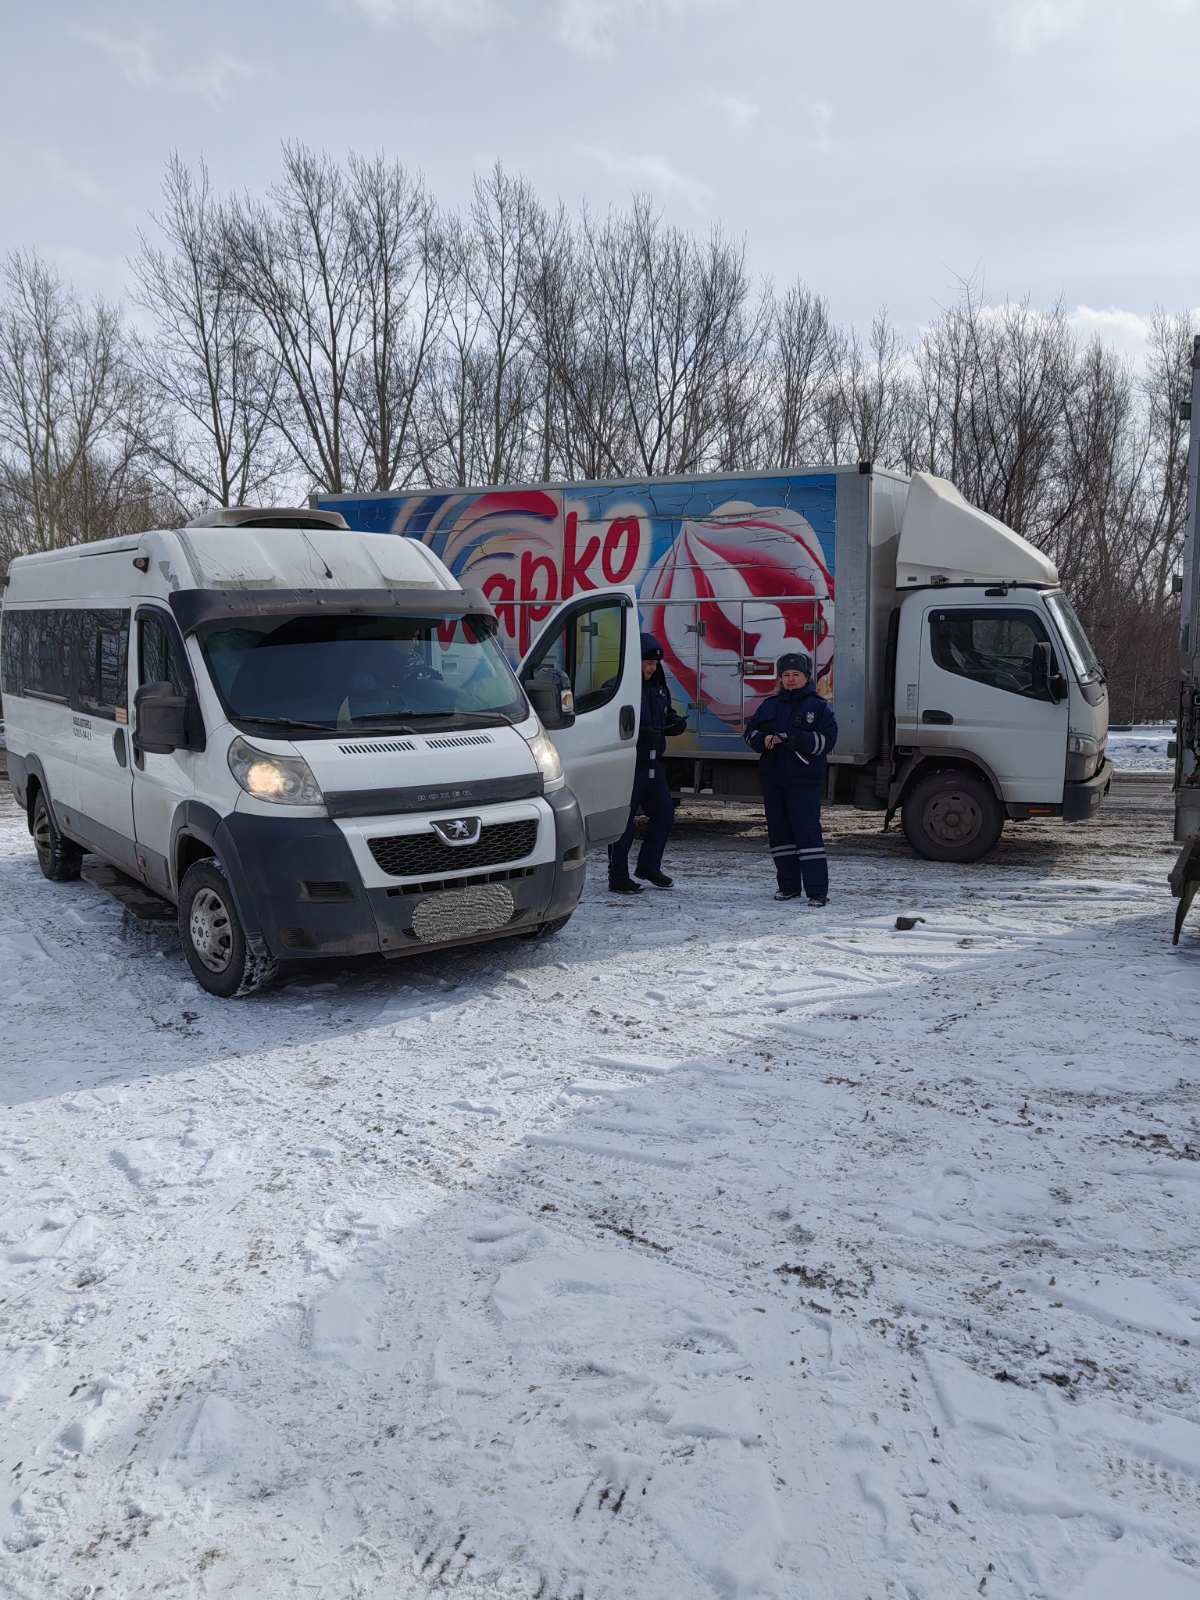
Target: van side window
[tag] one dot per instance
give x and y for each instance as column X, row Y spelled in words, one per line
column 587, row 647
column 993, row 646
column 157, row 661
column 103, row 658
column 39, row 653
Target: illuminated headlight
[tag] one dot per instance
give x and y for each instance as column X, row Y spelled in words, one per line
column 546, row 756
column 283, row 780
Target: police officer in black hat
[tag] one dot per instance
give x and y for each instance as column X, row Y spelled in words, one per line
column 651, row 793
column 793, row 731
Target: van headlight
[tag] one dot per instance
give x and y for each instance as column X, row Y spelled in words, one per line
column 542, row 750
column 283, row 780
column 1082, row 744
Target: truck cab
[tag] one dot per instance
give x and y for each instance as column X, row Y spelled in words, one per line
column 1001, row 708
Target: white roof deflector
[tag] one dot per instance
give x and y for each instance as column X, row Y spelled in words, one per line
column 945, row 539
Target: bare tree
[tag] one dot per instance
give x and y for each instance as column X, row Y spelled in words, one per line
column 204, row 359
column 74, row 421
column 296, row 260
column 403, row 265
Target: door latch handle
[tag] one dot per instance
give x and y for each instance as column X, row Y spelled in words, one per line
column 942, row 717
column 120, row 749
column 628, row 724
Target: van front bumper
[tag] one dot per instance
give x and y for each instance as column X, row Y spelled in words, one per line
column 299, row 890
column 1082, row 800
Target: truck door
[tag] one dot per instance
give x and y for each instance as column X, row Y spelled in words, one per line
column 593, row 641
column 977, row 696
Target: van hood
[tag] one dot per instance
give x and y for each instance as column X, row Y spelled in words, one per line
column 458, row 766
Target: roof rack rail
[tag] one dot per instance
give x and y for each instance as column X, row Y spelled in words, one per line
column 267, row 517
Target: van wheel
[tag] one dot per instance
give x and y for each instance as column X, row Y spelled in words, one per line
column 59, row 858
column 952, row 816
column 222, row 959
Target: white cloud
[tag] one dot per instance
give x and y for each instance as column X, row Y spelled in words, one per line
column 642, row 172
column 739, row 113
column 588, row 26
column 1030, row 25
column 442, row 18
column 819, row 115
column 213, row 79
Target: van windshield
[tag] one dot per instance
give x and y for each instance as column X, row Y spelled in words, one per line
column 334, row 673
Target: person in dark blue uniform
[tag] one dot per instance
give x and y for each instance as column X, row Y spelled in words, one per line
column 793, row 732
column 651, row 793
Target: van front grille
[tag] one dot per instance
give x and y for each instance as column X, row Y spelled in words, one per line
column 411, row 855
column 454, row 741
column 377, row 747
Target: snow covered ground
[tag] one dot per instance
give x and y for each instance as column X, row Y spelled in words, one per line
column 1142, row 748
column 715, row 1249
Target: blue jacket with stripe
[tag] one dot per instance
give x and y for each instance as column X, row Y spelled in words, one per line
column 804, row 720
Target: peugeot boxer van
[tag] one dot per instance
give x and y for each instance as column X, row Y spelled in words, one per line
column 309, row 739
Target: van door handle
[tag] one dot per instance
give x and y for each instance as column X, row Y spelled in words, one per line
column 120, row 750
column 942, row 717
column 628, row 723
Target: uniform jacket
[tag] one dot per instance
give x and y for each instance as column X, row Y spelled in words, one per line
column 805, row 720
column 659, row 720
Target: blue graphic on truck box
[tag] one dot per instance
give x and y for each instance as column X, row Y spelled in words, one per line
column 729, row 572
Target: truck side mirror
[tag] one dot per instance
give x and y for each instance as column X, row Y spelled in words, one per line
column 550, row 696
column 160, row 719
column 1048, row 681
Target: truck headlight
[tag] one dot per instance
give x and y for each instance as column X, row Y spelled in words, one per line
column 543, row 752
column 283, row 780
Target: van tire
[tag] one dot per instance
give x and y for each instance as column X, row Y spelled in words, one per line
column 60, row 859
column 223, row 960
column 952, row 815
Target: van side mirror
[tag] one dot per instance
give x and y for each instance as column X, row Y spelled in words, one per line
column 160, row 719
column 1048, row 681
column 550, row 696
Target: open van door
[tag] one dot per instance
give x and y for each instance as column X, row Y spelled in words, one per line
column 592, row 644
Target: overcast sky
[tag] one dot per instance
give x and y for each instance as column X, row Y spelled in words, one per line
column 881, row 150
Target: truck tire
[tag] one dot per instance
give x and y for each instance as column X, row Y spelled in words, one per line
column 223, row 960
column 952, row 816
column 60, row 859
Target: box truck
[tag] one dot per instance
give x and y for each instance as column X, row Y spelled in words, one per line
column 1185, row 877
column 309, row 740
column 966, row 690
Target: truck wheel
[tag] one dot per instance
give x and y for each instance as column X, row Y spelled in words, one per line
column 222, row 959
column 952, row 816
column 59, row 859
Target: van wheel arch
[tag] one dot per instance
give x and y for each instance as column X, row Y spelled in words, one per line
column 190, row 848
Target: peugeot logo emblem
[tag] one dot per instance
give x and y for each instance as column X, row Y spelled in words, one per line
column 457, row 830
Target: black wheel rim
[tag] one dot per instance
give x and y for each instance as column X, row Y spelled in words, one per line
column 954, row 818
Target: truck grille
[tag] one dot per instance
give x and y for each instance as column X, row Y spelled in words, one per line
column 410, row 855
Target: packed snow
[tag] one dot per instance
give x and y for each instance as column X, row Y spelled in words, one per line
column 1142, row 748
column 717, row 1248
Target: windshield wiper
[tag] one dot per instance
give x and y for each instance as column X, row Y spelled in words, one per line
column 491, row 719
column 289, row 722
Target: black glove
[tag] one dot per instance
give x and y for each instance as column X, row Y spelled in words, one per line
column 675, row 725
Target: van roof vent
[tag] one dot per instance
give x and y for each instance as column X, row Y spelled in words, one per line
column 267, row 517
column 452, row 741
column 377, row 747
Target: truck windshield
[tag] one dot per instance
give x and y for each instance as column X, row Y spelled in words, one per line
column 336, row 673
column 1076, row 642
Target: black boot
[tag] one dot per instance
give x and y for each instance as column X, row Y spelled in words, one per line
column 789, row 894
column 623, row 886
column 658, row 879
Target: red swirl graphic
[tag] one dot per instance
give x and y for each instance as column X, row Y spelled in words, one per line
column 756, row 579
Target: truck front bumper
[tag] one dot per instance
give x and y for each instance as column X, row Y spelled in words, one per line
column 298, row 889
column 1082, row 800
